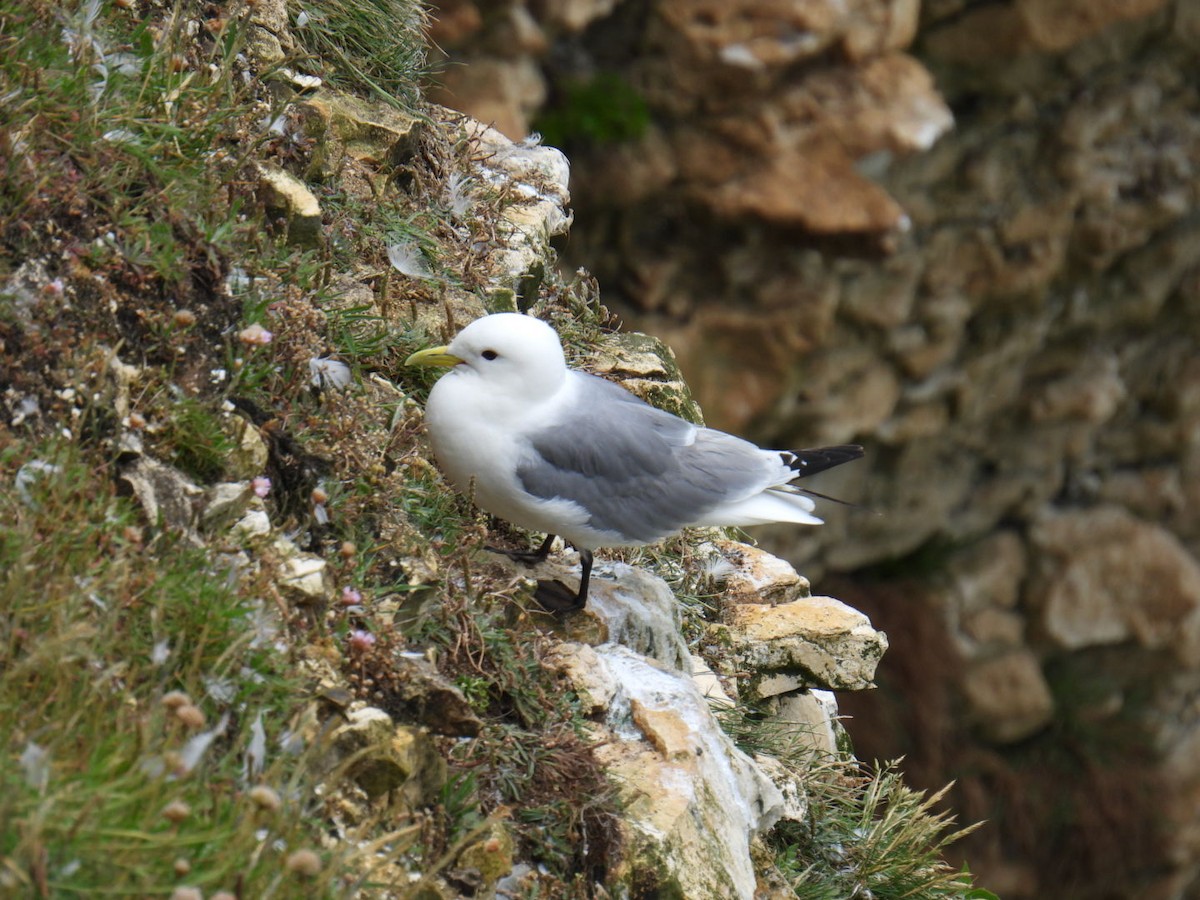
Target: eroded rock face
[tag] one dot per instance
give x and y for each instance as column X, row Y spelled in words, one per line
column 692, row 801
column 1104, row 577
column 1020, row 356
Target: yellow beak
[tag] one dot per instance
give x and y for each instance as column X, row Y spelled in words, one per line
column 433, row 356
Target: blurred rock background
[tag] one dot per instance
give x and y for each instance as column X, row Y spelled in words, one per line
column 966, row 235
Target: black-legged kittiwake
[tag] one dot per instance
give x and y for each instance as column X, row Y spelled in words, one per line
column 559, row 451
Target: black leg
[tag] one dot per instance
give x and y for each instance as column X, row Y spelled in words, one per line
column 527, row 557
column 557, row 597
column 585, row 576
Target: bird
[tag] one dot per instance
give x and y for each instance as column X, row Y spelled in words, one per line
column 556, row 450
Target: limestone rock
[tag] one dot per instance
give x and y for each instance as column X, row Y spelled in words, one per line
column 574, row 15
column 646, row 366
column 1105, row 577
column 383, row 757
column 886, row 104
column 304, row 577
column 691, row 800
column 537, row 178
column 814, row 187
column 491, row 856
column 809, row 719
column 503, row 93
column 580, row 664
column 228, row 502
column 996, row 31
column 625, row 605
column 168, row 498
column 747, row 574
column 248, row 458
column 418, row 691
column 289, row 200
column 369, row 131
column 810, row 642
column 1008, row 696
column 755, row 35
column 268, row 41
column 1055, row 25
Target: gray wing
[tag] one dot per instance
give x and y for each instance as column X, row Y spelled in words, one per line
column 638, row 471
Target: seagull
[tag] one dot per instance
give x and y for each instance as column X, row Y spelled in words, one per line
column 556, row 450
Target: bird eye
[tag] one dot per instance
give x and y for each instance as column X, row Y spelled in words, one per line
column 489, row 354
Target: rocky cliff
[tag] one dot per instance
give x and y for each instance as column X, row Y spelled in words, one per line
column 965, row 235
column 251, row 644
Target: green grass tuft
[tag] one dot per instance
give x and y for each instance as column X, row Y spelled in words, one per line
column 117, row 790
column 375, row 47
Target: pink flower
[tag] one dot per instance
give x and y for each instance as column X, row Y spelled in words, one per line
column 361, row 641
column 255, row 335
column 261, row 485
column 351, row 597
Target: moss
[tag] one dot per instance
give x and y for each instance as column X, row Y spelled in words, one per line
column 604, row 109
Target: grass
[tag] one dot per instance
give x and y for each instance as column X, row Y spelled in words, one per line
column 124, row 784
column 376, row 47
column 868, row 835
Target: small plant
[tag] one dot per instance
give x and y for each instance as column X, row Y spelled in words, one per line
column 869, row 836
column 373, row 46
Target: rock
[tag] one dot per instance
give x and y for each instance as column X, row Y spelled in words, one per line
column 384, row 757
column 491, row 856
column 453, row 22
column 573, row 16
column 580, row 664
column 537, row 178
column 989, row 573
column 814, row 187
column 249, row 456
column 809, row 721
column 625, row 605
column 645, row 366
column 1093, row 392
column 795, row 807
column 269, row 42
column 885, row 104
column 1008, row 697
column 1028, row 27
column 503, row 93
column 228, row 502
column 984, row 590
column 742, row 360
column 254, row 524
column 1055, row 25
column 772, row 36
column 289, row 200
column 811, row 642
column 746, row 574
column 303, row 577
column 1104, row 577
column 167, row 497
column 369, row 131
column 691, row 801
column 416, row 690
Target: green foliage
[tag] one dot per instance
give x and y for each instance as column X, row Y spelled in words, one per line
column 868, row 835
column 602, row 110
column 198, row 443
column 107, row 785
column 106, row 131
column 376, row 47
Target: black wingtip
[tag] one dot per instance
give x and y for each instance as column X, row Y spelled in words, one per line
column 818, row 459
